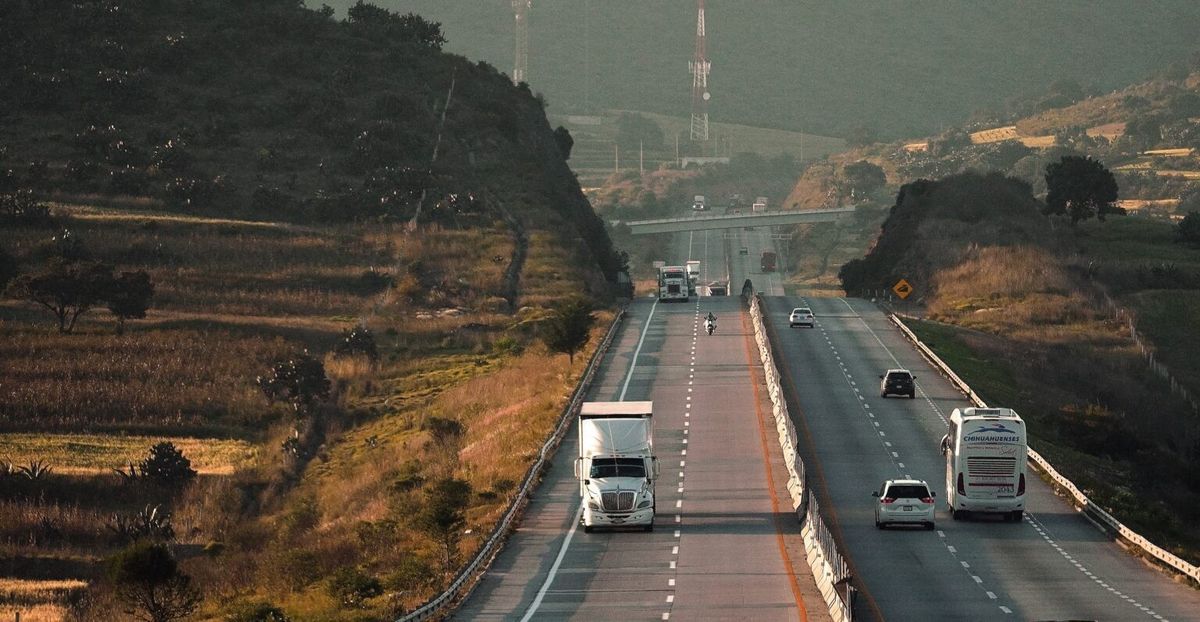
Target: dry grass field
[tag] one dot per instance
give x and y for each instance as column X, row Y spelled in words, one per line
column 231, row 298
column 91, row 454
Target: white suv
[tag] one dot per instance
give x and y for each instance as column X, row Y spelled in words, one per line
column 904, row 501
column 801, row 316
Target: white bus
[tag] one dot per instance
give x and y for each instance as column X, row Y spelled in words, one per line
column 672, row 284
column 985, row 451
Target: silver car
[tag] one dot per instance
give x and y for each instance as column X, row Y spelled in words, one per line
column 801, row 316
column 904, row 501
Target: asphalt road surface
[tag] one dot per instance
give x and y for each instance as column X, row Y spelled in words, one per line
column 1054, row 565
column 718, row 551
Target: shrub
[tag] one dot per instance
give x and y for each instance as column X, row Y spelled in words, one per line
column 358, row 340
column 167, row 466
column 351, row 587
column 21, row 207
column 148, row 578
column 256, row 612
column 299, row 381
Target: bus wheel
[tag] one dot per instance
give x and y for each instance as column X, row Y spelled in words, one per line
column 587, row 529
column 1016, row 515
column 955, row 514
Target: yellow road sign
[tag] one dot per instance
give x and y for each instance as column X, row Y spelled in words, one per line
column 902, row 289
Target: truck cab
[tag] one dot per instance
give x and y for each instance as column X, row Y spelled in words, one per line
column 616, row 466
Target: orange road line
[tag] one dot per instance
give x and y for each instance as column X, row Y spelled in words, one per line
column 762, row 434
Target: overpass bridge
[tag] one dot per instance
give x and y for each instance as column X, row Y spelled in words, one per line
column 736, row 221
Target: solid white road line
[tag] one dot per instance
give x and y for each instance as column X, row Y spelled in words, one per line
column 562, row 552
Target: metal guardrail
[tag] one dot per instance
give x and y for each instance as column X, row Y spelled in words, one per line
column 1095, row 512
column 828, row 566
column 462, row 582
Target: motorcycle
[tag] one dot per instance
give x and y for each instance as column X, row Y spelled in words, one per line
column 710, row 326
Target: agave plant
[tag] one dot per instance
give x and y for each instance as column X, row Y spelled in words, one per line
column 151, row 522
column 130, row 476
column 35, row 470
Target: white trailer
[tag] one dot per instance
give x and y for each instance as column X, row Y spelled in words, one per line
column 693, row 274
column 616, row 466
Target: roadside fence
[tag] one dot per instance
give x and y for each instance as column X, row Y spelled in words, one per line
column 465, row 579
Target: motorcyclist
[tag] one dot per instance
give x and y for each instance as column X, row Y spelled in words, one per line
column 711, row 317
column 710, row 322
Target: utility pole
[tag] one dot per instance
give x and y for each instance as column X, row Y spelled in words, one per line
column 521, row 64
column 641, row 158
column 699, row 67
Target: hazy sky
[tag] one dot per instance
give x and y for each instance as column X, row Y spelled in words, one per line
column 902, row 67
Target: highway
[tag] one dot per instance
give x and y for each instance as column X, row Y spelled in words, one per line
column 1054, row 565
column 726, row 542
column 716, row 552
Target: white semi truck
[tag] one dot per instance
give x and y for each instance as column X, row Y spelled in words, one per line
column 693, row 274
column 616, row 467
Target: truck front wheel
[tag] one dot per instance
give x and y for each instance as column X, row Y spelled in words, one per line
column 649, row 527
column 587, row 529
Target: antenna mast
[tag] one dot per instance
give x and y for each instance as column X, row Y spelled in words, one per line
column 699, row 68
column 521, row 65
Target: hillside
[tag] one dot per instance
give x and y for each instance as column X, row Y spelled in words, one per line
column 337, row 332
column 828, row 68
column 217, row 108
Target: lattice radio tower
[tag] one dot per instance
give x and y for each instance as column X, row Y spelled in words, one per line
column 521, row 65
column 699, row 67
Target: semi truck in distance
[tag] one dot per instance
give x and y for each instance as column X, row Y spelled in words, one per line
column 616, row 467
column 759, row 206
column 986, row 450
column 767, row 262
column 672, row 284
column 699, row 203
column 693, row 273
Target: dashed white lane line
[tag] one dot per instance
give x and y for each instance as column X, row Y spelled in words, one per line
column 895, row 455
column 1044, row 532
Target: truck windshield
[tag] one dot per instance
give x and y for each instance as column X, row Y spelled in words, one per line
column 617, row 467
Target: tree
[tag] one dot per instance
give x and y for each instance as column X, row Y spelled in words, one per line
column 299, row 381
column 634, row 130
column 67, row 288
column 1188, row 230
column 1080, row 187
column 568, row 327
column 861, row 136
column 442, row 518
column 168, row 466
column 147, row 578
column 863, row 177
column 129, row 297
column 562, row 138
column 387, row 25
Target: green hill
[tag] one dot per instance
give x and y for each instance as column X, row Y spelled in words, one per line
column 269, row 111
column 270, row 172
column 902, row 68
